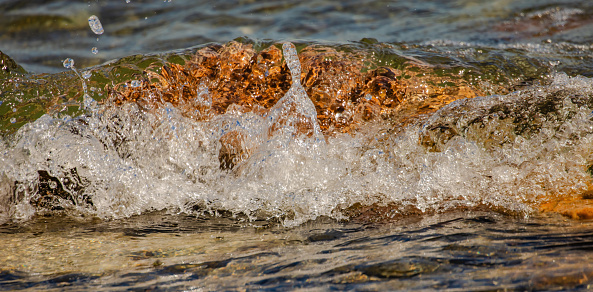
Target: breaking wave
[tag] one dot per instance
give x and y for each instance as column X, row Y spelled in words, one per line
column 502, row 152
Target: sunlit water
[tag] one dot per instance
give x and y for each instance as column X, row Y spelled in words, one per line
column 137, row 199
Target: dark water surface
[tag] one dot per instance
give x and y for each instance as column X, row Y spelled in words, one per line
column 136, row 200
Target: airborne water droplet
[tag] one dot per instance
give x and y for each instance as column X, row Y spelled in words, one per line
column 94, row 50
column 292, row 60
column 95, row 25
column 68, row 63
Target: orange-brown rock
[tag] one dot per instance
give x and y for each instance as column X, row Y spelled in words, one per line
column 346, row 92
column 233, row 149
column 579, row 207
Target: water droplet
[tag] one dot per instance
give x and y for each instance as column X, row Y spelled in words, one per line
column 135, row 83
column 13, row 120
column 94, row 50
column 68, row 63
column 95, row 25
column 14, row 109
column 292, row 60
column 86, row 74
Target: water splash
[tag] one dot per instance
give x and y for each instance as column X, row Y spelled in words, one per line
column 294, row 114
column 68, row 63
column 87, row 102
column 95, row 25
column 262, row 164
column 135, row 83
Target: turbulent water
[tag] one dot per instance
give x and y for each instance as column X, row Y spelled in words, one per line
column 472, row 175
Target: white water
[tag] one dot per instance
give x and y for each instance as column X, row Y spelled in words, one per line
column 135, row 161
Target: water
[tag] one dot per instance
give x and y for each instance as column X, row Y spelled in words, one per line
column 168, row 252
column 296, row 145
column 95, row 25
column 68, row 63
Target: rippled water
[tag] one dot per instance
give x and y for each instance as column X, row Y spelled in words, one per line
column 451, row 149
column 471, row 251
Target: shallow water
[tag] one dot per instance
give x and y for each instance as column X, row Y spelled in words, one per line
column 472, row 174
column 475, row 251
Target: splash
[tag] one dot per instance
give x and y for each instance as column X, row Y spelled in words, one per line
column 95, row 25
column 513, row 153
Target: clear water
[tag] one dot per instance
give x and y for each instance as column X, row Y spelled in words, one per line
column 424, row 200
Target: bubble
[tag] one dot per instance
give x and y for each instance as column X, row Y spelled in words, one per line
column 68, row 63
column 203, row 97
column 13, row 120
column 94, row 50
column 136, row 83
column 95, row 25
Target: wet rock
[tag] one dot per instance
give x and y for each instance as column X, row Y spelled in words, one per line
column 344, row 91
column 8, row 66
column 564, row 279
column 400, row 268
column 492, row 121
column 232, row 150
column 6, row 189
column 54, row 192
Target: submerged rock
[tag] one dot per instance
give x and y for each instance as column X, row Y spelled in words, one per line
column 542, row 134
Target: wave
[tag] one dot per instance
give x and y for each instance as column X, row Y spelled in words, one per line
column 252, row 137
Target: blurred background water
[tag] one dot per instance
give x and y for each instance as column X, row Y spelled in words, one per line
column 39, row 34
